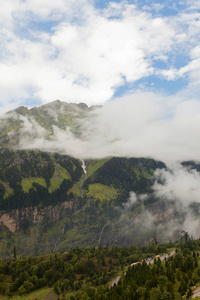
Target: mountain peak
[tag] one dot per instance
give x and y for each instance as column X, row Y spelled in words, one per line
column 56, row 113
column 22, row 110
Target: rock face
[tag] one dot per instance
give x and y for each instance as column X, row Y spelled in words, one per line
column 9, row 221
column 15, row 219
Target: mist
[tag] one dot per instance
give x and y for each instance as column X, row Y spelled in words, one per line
column 137, row 125
column 177, row 195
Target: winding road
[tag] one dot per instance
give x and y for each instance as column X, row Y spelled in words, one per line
column 162, row 257
column 196, row 292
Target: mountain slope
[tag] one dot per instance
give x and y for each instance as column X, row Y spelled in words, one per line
column 47, row 202
column 22, row 122
column 30, row 178
column 51, row 202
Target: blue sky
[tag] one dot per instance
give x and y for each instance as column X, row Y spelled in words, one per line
column 95, row 51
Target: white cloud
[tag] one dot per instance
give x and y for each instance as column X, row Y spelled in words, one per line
column 177, row 207
column 88, row 53
column 181, row 185
column 138, row 125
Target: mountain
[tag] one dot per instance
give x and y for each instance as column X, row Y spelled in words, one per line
column 18, row 123
column 48, row 203
column 51, row 202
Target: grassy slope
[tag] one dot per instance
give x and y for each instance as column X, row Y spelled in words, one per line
column 75, row 189
column 8, row 190
column 102, row 192
column 95, row 165
column 59, row 175
column 27, row 183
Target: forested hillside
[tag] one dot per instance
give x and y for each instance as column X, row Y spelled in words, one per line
column 51, row 202
column 47, row 202
column 125, row 175
column 81, row 273
column 31, row 178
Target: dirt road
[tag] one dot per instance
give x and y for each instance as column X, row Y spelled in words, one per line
column 115, row 281
column 196, row 292
column 162, row 257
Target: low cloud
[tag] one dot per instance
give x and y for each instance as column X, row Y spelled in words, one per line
column 181, row 186
column 177, row 195
column 137, row 125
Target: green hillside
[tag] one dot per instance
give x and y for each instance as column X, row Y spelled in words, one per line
column 90, row 273
column 48, row 204
column 30, row 178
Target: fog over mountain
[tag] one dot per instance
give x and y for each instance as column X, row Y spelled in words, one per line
column 142, row 125
column 117, row 158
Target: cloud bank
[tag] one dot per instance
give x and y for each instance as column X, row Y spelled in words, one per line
column 137, row 125
column 178, row 194
column 181, row 186
column 78, row 52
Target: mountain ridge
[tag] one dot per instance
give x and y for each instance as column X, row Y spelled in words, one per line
column 50, row 202
column 20, row 121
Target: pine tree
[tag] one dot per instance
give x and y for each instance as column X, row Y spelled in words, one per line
column 14, row 252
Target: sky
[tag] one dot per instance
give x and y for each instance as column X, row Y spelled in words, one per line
column 139, row 59
column 96, row 51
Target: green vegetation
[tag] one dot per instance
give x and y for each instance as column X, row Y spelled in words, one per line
column 29, row 178
column 75, row 190
column 143, row 172
column 59, row 175
column 101, row 192
column 95, row 165
column 57, row 113
column 34, row 179
column 27, row 183
column 125, row 174
column 8, row 191
column 87, row 274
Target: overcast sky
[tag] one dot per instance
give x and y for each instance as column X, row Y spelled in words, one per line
column 94, row 51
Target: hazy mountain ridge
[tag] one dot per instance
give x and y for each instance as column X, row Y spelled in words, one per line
column 49, row 203
column 14, row 124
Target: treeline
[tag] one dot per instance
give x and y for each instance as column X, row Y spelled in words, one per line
column 170, row 280
column 126, row 174
column 16, row 165
column 36, row 195
column 79, row 269
column 86, row 273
